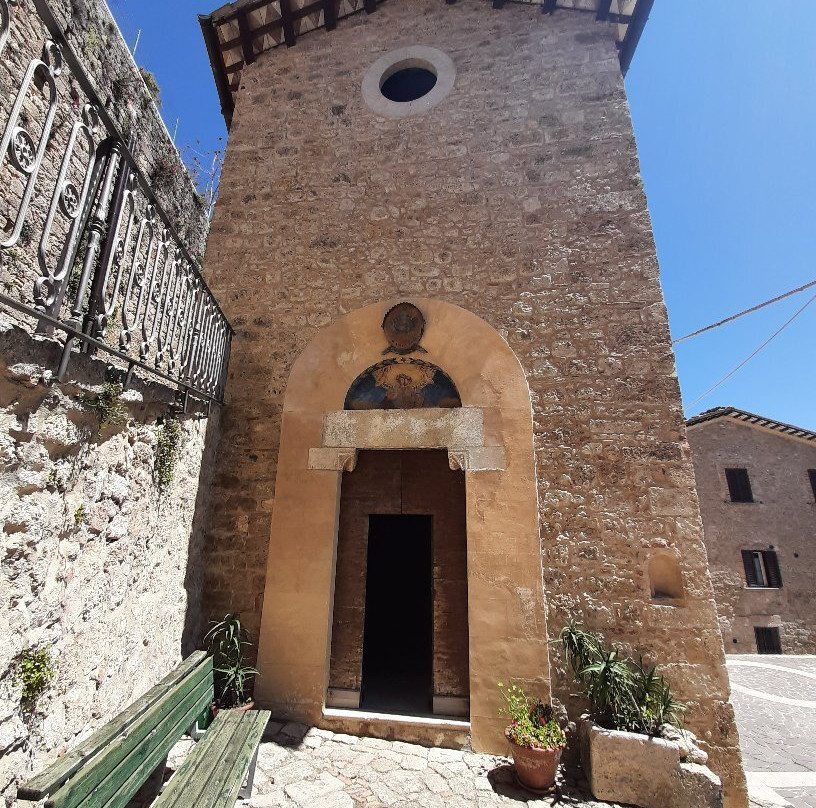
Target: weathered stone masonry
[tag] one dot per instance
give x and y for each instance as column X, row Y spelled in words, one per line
column 517, row 198
column 98, row 566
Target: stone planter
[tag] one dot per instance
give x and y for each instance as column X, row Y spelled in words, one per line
column 535, row 768
column 647, row 772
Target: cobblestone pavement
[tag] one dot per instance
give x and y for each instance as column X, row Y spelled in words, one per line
column 774, row 698
column 299, row 767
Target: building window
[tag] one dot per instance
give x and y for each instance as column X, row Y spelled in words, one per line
column 739, row 486
column 762, row 568
column 408, row 81
column 812, row 475
column 408, row 84
column 767, row 640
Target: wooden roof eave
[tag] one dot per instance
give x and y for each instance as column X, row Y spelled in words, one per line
column 231, row 39
column 218, row 68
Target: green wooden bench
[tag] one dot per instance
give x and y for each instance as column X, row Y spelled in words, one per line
column 109, row 767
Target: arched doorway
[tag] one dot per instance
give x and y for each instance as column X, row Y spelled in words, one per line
column 488, row 439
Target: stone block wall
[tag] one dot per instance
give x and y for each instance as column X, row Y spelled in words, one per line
column 99, row 567
column 518, row 198
column 783, row 518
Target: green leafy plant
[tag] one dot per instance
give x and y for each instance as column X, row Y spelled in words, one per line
column 623, row 694
column 168, row 451
column 109, row 409
column 35, row 673
column 79, row 515
column 233, row 677
column 531, row 721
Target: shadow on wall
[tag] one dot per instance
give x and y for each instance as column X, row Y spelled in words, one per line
column 196, row 623
column 101, row 560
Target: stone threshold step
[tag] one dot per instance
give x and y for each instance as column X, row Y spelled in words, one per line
column 442, row 731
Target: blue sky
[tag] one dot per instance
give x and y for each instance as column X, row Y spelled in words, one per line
column 724, row 108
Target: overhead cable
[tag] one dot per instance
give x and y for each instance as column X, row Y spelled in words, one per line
column 748, row 359
column 747, row 311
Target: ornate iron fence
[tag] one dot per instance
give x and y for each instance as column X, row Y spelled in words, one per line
column 87, row 249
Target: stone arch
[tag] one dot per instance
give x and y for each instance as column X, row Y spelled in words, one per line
column 490, row 437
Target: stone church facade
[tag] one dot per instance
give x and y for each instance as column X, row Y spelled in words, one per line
column 521, row 406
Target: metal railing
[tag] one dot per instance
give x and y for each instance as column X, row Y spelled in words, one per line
column 87, row 248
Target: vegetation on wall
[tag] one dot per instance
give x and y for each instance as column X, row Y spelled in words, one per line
column 79, row 515
column 168, row 450
column 204, row 168
column 152, row 85
column 35, row 672
column 107, row 405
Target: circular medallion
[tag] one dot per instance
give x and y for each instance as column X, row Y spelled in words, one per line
column 69, row 200
column 403, row 326
column 23, row 150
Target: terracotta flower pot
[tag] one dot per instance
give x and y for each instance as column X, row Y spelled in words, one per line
column 535, row 768
column 215, row 709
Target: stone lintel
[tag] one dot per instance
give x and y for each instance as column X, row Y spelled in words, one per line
column 459, row 428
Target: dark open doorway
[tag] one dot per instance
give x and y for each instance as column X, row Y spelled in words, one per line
column 397, row 639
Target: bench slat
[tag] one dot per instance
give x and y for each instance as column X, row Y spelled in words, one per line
column 193, row 764
column 134, row 782
column 115, row 777
column 243, row 756
column 212, row 775
column 49, row 780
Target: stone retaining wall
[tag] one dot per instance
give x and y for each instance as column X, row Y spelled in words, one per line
column 99, row 566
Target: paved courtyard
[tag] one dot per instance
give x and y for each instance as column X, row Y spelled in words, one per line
column 775, row 701
column 300, row 767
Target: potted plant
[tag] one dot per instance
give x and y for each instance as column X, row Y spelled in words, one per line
column 536, row 740
column 633, row 746
column 232, row 676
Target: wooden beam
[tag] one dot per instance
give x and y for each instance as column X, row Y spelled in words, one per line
column 370, row 6
column 288, row 23
column 603, row 10
column 246, row 39
column 247, row 9
column 329, row 15
column 498, row 3
column 217, row 64
column 633, row 32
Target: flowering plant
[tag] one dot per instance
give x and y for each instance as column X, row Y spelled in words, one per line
column 531, row 721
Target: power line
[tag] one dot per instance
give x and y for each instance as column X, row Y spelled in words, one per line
column 747, row 311
column 745, row 361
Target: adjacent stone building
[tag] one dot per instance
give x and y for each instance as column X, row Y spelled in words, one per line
column 452, row 420
column 756, row 480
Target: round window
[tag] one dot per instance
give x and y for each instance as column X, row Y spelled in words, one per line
column 408, row 81
column 408, row 84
